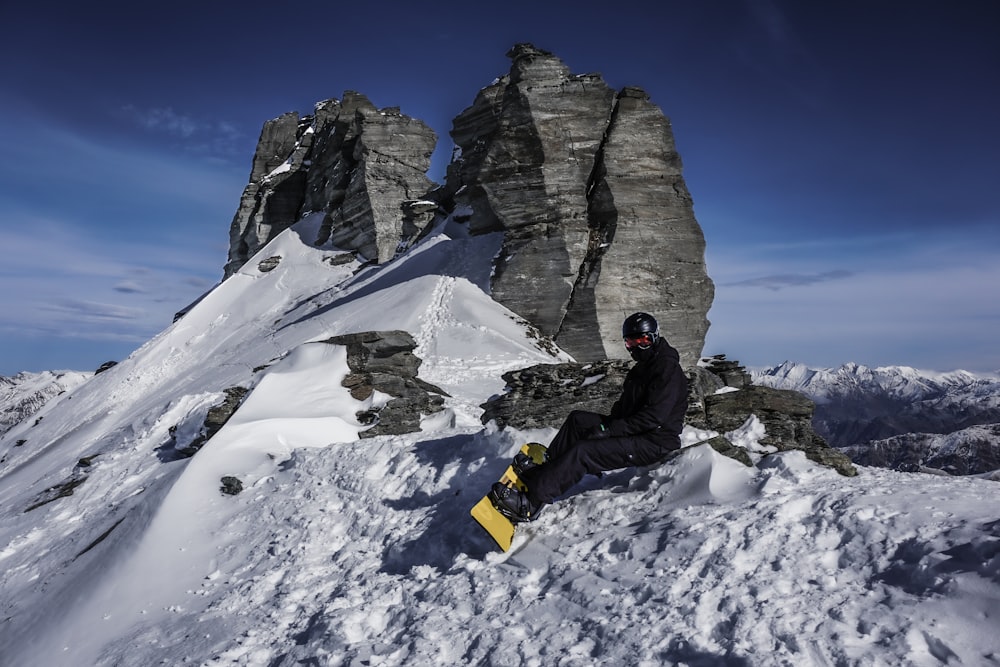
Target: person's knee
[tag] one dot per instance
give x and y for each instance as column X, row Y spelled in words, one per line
column 582, row 459
column 583, row 419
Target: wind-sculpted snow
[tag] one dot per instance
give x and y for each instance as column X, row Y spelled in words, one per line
column 702, row 561
column 342, row 551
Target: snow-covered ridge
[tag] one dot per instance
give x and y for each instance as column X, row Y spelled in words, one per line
column 973, row 450
column 342, row 551
column 24, row 395
column 857, row 406
column 897, row 382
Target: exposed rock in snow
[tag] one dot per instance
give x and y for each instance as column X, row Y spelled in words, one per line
column 384, row 375
column 545, row 394
column 586, row 184
column 341, row 550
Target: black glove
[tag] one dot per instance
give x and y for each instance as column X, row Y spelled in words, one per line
column 599, row 432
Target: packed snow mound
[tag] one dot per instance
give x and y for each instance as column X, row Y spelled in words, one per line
column 343, row 551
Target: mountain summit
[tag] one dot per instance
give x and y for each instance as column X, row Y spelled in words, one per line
column 213, row 499
column 583, row 182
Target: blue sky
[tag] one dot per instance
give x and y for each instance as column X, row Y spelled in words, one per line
column 842, row 156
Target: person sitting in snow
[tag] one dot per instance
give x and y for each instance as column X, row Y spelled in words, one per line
column 644, row 426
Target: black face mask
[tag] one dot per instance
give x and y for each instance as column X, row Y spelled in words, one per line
column 640, row 354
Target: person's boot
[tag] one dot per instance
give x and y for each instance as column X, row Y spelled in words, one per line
column 513, row 503
column 523, row 462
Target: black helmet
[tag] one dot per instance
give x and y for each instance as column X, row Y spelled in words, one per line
column 640, row 329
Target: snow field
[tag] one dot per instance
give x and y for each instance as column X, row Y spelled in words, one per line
column 342, row 551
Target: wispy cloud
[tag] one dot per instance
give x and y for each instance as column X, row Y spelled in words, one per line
column 129, row 287
column 70, row 285
column 163, row 120
column 200, row 135
column 140, row 175
column 93, row 312
column 780, row 281
column 906, row 311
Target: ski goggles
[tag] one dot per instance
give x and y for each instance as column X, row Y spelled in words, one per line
column 642, row 341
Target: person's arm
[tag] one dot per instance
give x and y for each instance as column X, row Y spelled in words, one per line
column 664, row 391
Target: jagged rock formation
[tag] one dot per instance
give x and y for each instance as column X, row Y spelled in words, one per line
column 542, row 396
column 786, row 415
column 383, row 361
column 585, row 182
column 364, row 167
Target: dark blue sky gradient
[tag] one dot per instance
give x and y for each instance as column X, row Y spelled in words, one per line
column 842, row 157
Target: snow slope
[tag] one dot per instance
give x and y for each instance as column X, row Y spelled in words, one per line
column 343, row 551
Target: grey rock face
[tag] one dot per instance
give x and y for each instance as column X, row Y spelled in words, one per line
column 269, row 203
column 384, row 361
column 787, row 418
column 542, row 396
column 359, row 165
column 586, row 184
column 786, row 415
column 583, row 181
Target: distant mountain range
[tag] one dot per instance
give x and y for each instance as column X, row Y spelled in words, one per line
column 901, row 417
column 24, row 394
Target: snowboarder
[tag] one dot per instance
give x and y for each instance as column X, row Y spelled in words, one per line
column 644, row 426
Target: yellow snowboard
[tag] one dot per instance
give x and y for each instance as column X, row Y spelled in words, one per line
column 500, row 528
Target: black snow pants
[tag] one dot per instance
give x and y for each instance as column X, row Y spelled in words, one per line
column 572, row 455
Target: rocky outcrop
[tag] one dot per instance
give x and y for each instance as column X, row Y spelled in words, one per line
column 585, row 182
column 362, row 167
column 215, row 419
column 383, row 361
column 786, row 415
column 542, row 396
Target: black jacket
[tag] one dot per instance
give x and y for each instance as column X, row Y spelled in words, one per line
column 653, row 400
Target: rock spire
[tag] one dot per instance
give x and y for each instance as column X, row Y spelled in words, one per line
column 586, row 184
column 583, row 181
column 361, row 166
